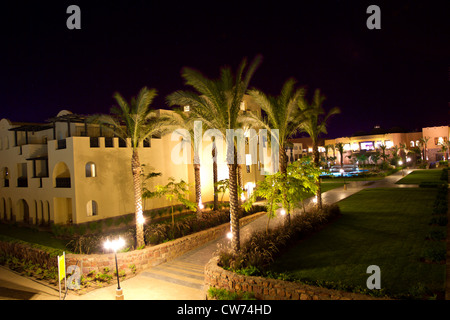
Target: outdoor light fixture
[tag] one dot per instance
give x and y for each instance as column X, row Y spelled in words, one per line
column 200, row 205
column 115, row 245
column 315, row 199
column 229, row 235
column 282, row 212
column 141, row 219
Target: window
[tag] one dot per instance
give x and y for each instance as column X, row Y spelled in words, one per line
column 92, row 208
column 439, row 140
column 91, row 170
column 389, row 144
column 411, row 143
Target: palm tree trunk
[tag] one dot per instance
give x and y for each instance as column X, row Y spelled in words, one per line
column 136, row 169
column 234, row 205
column 283, row 170
column 316, row 161
column 216, row 195
column 198, row 188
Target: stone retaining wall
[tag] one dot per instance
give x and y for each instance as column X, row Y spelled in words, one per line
column 271, row 289
column 139, row 259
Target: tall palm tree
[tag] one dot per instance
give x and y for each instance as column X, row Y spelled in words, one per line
column 340, row 147
column 186, row 121
column 283, row 114
column 136, row 122
column 423, row 143
column 314, row 125
column 217, row 103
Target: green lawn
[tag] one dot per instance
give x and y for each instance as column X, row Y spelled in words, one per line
column 33, row 236
column 419, row 176
column 384, row 227
column 326, row 186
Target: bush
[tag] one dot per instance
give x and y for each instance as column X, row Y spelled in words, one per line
column 435, row 252
column 163, row 232
column 437, row 235
column 439, row 220
column 262, row 247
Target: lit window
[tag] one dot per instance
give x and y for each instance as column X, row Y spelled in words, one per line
column 242, row 106
column 90, row 170
column 92, row 208
column 186, row 108
column 347, row 147
column 389, row 144
column 355, row 146
column 412, row 143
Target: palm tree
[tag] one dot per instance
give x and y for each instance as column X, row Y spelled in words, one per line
column 283, row 114
column 423, row 143
column 186, row 121
column 136, row 122
column 314, row 125
column 217, row 103
column 340, row 148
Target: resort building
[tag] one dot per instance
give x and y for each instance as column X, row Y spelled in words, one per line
column 71, row 171
column 424, row 145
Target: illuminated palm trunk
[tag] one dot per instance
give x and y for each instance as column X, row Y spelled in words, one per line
column 316, row 161
column 216, row 196
column 136, row 168
column 234, row 208
column 283, row 170
column 198, row 187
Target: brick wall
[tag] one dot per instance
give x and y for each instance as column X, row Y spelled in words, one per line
column 141, row 259
column 271, row 289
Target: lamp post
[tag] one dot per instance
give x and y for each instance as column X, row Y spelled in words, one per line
column 342, row 174
column 116, row 245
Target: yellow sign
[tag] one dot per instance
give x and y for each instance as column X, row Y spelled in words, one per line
column 62, row 266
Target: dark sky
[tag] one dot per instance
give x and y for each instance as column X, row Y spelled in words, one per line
column 396, row 76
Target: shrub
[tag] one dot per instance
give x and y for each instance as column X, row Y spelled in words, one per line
column 435, row 252
column 262, row 247
column 437, row 235
column 439, row 220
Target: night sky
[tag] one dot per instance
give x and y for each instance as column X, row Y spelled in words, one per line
column 396, row 76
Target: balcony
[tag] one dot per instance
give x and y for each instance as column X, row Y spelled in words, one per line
column 62, row 183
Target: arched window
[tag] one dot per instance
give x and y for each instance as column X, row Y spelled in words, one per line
column 92, row 208
column 91, row 170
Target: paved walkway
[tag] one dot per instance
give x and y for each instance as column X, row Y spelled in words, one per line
column 182, row 278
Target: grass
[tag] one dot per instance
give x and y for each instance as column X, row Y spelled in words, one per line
column 386, row 227
column 326, row 186
column 421, row 176
column 33, row 236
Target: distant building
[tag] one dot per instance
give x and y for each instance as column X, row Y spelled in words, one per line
column 369, row 144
